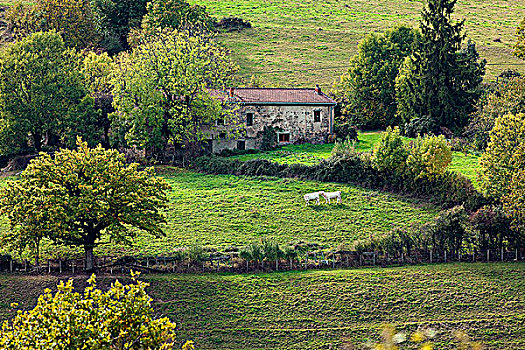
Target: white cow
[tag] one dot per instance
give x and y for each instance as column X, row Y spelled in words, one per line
column 311, row 196
column 331, row 195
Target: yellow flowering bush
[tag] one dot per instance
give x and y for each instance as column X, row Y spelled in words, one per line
column 120, row 318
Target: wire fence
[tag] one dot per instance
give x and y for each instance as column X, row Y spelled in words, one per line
column 234, row 264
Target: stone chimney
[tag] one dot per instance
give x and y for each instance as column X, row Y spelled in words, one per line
column 318, row 89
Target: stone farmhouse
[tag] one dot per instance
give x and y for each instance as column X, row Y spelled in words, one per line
column 297, row 115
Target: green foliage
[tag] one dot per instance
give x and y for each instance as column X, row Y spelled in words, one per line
column 439, row 80
column 346, row 148
column 96, row 70
column 345, row 131
column 429, row 156
column 368, row 88
column 501, row 160
column 175, row 14
column 519, row 47
column 121, row 317
column 75, row 196
column 493, row 228
column 161, row 91
column 390, row 153
column 114, row 19
column 43, row 101
column 508, row 97
column 449, row 230
column 269, row 138
column 71, row 18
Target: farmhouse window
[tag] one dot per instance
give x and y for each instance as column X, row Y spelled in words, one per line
column 241, row 145
column 317, row 116
column 284, row 137
column 249, row 119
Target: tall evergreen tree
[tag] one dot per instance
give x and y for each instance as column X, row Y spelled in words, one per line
column 439, row 80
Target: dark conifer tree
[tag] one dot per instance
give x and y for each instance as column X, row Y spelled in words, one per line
column 438, row 83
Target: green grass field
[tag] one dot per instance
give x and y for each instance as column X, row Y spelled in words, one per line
column 301, row 43
column 223, row 211
column 466, row 164
column 311, row 310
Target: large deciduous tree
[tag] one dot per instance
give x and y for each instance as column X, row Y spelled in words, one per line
column 508, row 97
column 162, row 90
column 176, row 14
column 368, row 88
column 503, row 167
column 439, row 80
column 76, row 196
column 73, row 19
column 114, row 19
column 43, row 101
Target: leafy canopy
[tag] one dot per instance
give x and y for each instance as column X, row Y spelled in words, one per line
column 77, row 195
column 439, row 80
column 120, row 318
column 162, row 90
column 72, row 19
column 390, row 154
column 429, row 156
column 368, row 88
column 176, row 14
column 43, row 101
column 508, row 97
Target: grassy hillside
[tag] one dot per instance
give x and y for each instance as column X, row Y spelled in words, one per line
column 311, row 310
column 466, row 164
column 222, row 211
column 304, row 42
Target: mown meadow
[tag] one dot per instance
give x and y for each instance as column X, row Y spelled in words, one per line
column 323, row 309
column 301, row 43
column 223, row 211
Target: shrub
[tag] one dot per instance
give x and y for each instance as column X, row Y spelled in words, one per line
column 429, row 156
column 122, row 317
column 346, row 131
column 389, row 153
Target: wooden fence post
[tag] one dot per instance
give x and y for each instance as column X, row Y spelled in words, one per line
column 445, row 256
column 10, row 265
column 516, row 254
column 431, row 256
column 48, row 266
column 488, row 255
column 502, row 254
column 60, row 265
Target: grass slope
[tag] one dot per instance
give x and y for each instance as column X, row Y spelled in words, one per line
column 466, row 164
column 304, row 42
column 222, row 211
column 311, row 310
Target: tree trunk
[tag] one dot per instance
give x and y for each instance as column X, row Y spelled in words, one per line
column 37, row 256
column 88, row 249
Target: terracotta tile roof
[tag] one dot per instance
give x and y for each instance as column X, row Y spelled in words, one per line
column 274, row 96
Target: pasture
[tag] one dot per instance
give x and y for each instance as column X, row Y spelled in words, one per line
column 301, row 43
column 466, row 164
column 223, row 211
column 323, row 309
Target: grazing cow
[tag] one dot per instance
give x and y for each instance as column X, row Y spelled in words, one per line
column 311, row 196
column 331, row 195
